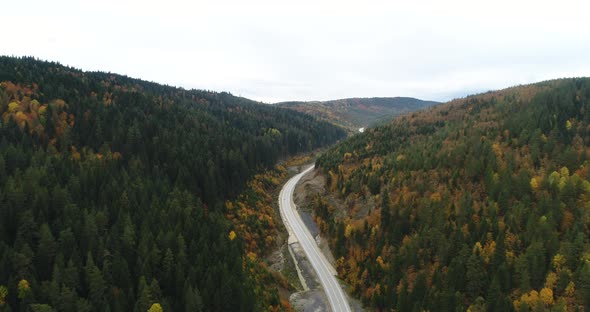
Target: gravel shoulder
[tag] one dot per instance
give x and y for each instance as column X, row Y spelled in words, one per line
column 312, row 298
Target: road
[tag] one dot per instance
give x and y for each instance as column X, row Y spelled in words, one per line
column 299, row 232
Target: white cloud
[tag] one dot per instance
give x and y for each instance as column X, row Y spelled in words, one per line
column 304, row 50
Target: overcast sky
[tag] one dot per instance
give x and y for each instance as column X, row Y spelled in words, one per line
column 310, row 50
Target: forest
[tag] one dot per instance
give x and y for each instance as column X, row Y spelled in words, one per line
column 478, row 204
column 354, row 113
column 114, row 191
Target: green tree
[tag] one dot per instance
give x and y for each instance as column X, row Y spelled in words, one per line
column 403, row 302
column 2, row 169
column 583, row 285
column 496, row 300
column 67, row 300
column 95, row 282
column 374, row 184
column 192, row 300
column 522, row 270
column 41, row 308
column 168, row 268
column 536, row 256
column 71, row 275
column 45, row 252
column 476, row 276
column 155, row 291
column 144, row 299
column 419, row 290
column 385, row 210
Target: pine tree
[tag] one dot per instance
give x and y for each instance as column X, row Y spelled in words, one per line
column 67, row 300
column 583, row 285
column 403, row 303
column 192, row 300
column 71, row 275
column 385, row 211
column 494, row 296
column 476, row 276
column 155, row 290
column 419, row 290
column 2, row 170
column 144, row 300
column 45, row 252
column 94, row 282
column 522, row 269
column 168, row 269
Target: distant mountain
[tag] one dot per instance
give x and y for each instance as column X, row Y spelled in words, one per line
column 355, row 113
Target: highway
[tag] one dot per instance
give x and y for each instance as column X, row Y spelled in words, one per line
column 299, row 232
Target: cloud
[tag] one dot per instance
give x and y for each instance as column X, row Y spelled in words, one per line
column 307, row 50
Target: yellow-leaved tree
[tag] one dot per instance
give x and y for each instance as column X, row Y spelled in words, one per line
column 3, row 294
column 156, row 307
column 232, row 235
column 551, row 280
column 23, row 289
column 546, row 295
column 534, row 184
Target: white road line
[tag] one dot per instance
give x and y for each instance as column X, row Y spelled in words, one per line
column 299, row 232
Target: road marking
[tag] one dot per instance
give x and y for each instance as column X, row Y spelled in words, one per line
column 296, row 228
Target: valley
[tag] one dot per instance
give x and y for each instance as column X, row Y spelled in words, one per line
column 480, row 203
column 358, row 113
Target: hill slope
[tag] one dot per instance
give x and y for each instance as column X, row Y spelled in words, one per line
column 480, row 202
column 355, row 113
column 112, row 189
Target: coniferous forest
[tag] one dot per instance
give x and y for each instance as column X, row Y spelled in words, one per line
column 112, row 189
column 482, row 203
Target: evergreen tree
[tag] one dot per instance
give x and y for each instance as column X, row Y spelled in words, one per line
column 192, row 300
column 495, row 298
column 144, row 300
column 94, row 282
column 583, row 284
column 45, row 252
column 476, row 276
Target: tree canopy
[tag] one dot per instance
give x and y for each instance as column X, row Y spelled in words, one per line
column 480, row 203
column 113, row 189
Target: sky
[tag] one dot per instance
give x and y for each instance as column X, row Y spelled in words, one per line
column 274, row 51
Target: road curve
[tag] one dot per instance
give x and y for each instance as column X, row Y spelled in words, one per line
column 299, row 232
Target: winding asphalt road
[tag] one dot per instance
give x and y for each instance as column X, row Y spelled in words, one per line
column 299, row 232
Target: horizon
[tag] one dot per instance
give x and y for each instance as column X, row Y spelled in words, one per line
column 460, row 96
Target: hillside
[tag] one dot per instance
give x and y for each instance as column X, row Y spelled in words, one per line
column 482, row 202
column 113, row 190
column 355, row 113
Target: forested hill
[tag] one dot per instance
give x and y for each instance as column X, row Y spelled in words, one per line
column 482, row 202
column 111, row 189
column 355, row 113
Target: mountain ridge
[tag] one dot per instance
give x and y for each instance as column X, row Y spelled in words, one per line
column 355, row 113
